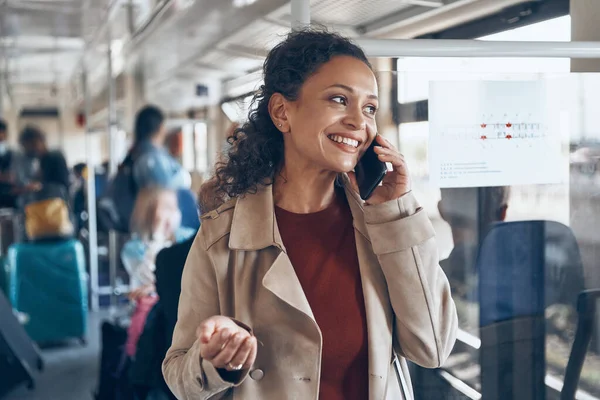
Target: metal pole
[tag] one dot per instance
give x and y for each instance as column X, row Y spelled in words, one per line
column 300, row 14
column 113, row 163
column 477, row 48
column 91, row 197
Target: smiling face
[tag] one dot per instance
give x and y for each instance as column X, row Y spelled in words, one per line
column 333, row 120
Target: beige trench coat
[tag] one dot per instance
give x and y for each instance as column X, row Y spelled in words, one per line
column 238, row 267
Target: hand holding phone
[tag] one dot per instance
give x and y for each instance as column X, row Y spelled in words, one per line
column 369, row 171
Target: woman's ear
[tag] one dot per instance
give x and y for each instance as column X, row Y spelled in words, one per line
column 278, row 112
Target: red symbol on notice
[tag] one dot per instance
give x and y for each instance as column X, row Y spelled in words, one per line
column 508, row 125
column 483, row 125
column 483, row 137
column 509, row 136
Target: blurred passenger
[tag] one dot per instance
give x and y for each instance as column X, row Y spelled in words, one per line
column 6, row 154
column 152, row 164
column 26, row 164
column 174, row 144
column 155, row 224
column 78, row 193
column 467, row 210
column 7, row 198
column 40, row 165
column 147, row 164
column 145, row 371
column 331, row 286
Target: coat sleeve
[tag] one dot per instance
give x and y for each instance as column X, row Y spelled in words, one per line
column 425, row 315
column 186, row 373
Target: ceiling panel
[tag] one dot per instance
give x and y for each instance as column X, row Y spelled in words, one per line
column 260, row 34
column 353, row 13
column 228, row 63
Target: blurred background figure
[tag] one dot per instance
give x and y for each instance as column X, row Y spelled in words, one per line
column 155, row 224
column 470, row 212
column 174, row 144
column 152, row 163
column 7, row 199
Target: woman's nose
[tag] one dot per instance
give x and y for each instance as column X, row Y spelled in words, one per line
column 355, row 120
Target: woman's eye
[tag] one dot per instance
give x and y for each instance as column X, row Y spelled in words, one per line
column 371, row 109
column 339, row 99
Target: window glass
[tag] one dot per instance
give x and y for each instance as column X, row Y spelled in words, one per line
column 518, row 256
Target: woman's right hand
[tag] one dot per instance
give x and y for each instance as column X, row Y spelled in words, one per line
column 225, row 344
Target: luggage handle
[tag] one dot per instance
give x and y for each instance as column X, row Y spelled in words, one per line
column 586, row 310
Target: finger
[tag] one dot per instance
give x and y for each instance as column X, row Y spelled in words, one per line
column 396, row 159
column 229, row 351
column 252, row 355
column 383, row 142
column 206, row 330
column 217, row 343
column 239, row 359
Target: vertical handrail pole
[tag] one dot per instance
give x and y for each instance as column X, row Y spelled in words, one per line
column 113, row 163
column 300, row 14
column 91, row 196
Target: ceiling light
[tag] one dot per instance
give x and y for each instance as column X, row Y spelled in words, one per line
column 243, row 3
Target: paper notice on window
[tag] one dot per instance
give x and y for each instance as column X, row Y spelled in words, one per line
column 496, row 133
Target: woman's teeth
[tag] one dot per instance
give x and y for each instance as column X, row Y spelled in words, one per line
column 344, row 140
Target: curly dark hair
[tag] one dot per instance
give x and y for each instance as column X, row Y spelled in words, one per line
column 256, row 152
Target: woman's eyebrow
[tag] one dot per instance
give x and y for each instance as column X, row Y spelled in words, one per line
column 348, row 88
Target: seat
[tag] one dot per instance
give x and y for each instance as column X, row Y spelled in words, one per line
column 523, row 268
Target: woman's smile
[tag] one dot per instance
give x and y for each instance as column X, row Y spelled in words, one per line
column 345, row 143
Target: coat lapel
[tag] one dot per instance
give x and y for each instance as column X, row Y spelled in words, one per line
column 282, row 281
column 254, row 227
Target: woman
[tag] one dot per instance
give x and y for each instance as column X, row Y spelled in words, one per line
column 155, row 224
column 295, row 288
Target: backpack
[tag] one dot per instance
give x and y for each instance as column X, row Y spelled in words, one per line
column 116, row 204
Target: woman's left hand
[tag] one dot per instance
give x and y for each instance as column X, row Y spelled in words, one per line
column 396, row 182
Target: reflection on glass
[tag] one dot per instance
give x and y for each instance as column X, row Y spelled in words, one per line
column 543, row 246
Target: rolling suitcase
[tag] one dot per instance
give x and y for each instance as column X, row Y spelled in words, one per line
column 19, row 357
column 48, row 283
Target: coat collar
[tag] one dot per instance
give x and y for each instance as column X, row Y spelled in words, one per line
column 254, row 226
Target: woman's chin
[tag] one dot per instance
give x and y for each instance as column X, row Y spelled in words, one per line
column 342, row 166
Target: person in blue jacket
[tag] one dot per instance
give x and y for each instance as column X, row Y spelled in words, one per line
column 153, row 166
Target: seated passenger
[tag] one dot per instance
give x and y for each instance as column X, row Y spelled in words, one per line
column 145, row 370
column 155, row 224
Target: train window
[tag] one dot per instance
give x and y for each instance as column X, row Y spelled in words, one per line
column 414, row 74
column 567, row 212
column 187, row 146
column 201, row 146
column 237, row 109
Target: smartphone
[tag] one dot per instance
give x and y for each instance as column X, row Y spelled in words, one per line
column 369, row 171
